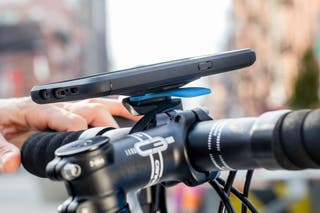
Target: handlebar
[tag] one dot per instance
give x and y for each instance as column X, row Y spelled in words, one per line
column 275, row 140
column 182, row 147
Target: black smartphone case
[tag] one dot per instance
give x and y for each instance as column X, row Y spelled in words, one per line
column 144, row 79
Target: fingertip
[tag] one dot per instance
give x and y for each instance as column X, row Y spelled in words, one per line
column 10, row 162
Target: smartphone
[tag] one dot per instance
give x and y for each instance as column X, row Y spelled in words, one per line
column 144, row 79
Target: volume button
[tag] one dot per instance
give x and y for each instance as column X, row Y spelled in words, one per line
column 203, row 66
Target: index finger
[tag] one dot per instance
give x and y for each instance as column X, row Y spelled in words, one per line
column 115, row 107
column 55, row 118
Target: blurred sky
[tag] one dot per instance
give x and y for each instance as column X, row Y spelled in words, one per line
column 145, row 32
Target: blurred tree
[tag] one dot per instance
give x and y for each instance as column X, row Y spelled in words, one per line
column 305, row 91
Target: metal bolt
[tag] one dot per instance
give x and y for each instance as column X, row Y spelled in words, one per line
column 71, row 171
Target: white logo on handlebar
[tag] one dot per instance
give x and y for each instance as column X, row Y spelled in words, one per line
column 151, row 146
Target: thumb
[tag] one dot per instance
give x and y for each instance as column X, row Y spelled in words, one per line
column 9, row 156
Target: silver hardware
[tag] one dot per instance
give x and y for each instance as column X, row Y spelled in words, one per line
column 71, row 171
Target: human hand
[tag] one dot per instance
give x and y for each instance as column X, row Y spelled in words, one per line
column 21, row 117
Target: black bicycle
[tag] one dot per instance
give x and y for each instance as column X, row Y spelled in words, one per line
column 100, row 166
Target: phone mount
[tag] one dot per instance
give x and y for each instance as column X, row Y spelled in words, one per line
column 158, row 101
column 150, row 105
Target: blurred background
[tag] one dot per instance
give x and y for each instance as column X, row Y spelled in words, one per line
column 43, row 41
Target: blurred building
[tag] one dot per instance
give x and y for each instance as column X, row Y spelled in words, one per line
column 43, row 41
column 46, row 41
column 279, row 31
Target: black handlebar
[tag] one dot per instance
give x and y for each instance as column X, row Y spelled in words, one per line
column 275, row 140
column 300, row 140
column 181, row 148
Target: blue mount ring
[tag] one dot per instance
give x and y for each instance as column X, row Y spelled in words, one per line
column 187, row 92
